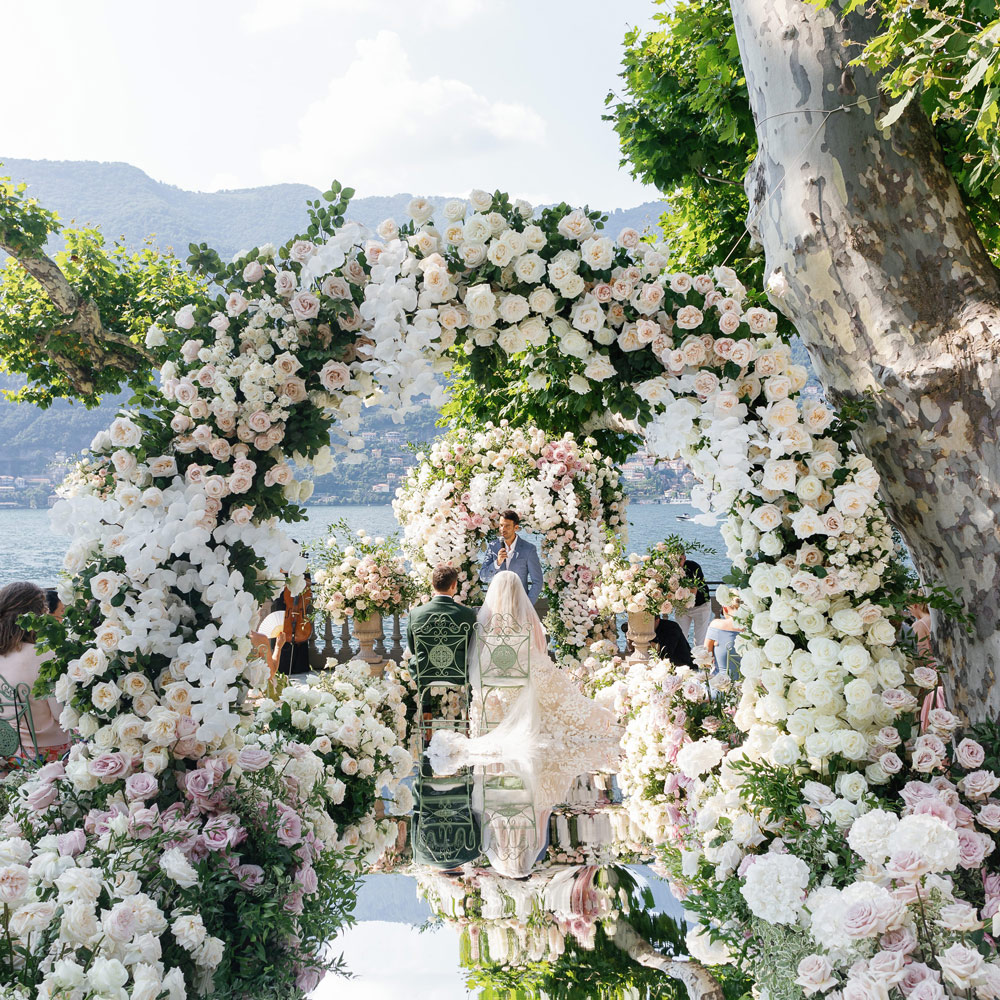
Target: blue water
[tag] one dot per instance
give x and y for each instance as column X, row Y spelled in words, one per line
column 30, row 550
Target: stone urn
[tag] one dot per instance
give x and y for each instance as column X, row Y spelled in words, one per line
column 641, row 632
column 368, row 631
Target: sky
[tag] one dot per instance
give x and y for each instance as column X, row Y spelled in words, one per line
column 384, row 95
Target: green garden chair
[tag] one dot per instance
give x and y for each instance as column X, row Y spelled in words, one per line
column 444, row 832
column 15, row 716
column 441, row 650
column 502, row 651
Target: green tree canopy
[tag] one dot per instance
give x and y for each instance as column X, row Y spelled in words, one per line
column 684, row 121
column 75, row 325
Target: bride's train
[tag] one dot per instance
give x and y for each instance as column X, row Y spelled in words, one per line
column 548, row 711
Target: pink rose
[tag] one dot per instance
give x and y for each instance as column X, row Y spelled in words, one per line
column 914, row 973
column 926, row 989
column 302, row 250
column 258, row 421
column 979, row 784
column 335, row 287
column 253, row 759
column 969, row 754
column 220, row 449
column 253, row 272
column 890, row 763
column 242, row 515
column 307, row 878
column 42, row 796
column 305, row 305
column 973, row 847
column 902, row 939
column 293, row 903
column 249, row 876
column 236, row 304
column 200, row 784
column 109, row 766
column 294, row 389
column 285, row 283
column 815, row 974
column 14, row 881
column 141, row 786
column 289, row 830
column 71, row 844
column 989, row 816
column 334, row 375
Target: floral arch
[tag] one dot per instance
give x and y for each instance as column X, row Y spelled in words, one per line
column 812, row 798
column 564, row 490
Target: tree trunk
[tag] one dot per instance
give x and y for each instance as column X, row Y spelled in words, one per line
column 700, row 983
column 872, row 256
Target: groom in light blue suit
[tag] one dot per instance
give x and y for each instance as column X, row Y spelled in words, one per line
column 515, row 554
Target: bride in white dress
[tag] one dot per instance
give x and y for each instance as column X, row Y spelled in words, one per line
column 549, row 708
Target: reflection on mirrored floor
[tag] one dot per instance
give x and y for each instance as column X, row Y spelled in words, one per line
column 515, row 879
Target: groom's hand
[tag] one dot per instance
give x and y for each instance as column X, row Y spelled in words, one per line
column 501, row 555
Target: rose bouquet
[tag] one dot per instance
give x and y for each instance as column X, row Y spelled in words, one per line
column 355, row 725
column 653, row 582
column 232, row 887
column 364, row 579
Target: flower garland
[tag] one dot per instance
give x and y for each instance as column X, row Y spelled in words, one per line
column 365, row 579
column 653, row 582
column 562, row 489
column 99, row 882
column 175, row 543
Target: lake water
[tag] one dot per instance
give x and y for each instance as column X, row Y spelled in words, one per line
column 30, row 550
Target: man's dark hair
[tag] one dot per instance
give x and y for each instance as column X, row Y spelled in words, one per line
column 443, row 577
column 511, row 515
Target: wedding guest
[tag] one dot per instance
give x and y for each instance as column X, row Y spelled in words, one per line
column 20, row 663
column 700, row 614
column 56, row 607
column 672, row 644
column 720, row 640
column 444, row 583
column 509, row 551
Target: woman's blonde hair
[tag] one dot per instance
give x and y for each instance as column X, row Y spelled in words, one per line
column 17, row 599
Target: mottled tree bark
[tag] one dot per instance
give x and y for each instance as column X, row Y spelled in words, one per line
column 700, row 983
column 873, row 258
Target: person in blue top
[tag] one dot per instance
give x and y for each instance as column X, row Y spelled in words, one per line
column 720, row 640
column 508, row 551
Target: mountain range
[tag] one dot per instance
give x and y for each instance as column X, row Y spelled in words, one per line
column 127, row 204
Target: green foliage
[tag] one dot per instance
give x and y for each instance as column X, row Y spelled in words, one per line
column 685, row 125
column 944, row 56
column 129, row 289
column 602, row 972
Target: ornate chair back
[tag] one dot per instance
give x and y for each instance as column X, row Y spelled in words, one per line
column 15, row 717
column 445, row 832
column 503, row 652
column 441, row 653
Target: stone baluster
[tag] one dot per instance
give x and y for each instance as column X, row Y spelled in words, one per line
column 345, row 653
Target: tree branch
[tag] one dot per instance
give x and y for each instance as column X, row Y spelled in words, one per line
column 700, row 983
column 84, row 318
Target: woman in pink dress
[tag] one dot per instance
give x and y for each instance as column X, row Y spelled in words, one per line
column 20, row 663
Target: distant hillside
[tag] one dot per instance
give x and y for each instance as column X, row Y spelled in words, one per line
column 125, row 202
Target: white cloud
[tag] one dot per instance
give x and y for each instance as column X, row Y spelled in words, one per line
column 388, row 125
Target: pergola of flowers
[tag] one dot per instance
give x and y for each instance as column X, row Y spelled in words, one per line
column 832, row 826
column 562, row 488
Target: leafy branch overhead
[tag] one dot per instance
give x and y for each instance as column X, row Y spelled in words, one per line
column 74, row 323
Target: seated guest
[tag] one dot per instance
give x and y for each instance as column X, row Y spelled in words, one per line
column 671, row 643
column 444, row 583
column 20, row 663
column 720, row 640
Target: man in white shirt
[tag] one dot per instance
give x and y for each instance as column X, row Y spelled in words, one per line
column 513, row 553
